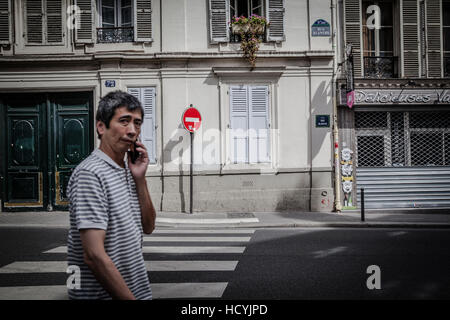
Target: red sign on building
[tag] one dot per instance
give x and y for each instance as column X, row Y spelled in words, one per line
column 192, row 119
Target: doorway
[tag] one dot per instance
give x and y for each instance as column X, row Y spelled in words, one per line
column 44, row 136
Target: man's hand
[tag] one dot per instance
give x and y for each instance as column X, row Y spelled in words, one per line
column 139, row 168
column 101, row 264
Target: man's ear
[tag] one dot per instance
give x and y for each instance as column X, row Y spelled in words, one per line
column 101, row 127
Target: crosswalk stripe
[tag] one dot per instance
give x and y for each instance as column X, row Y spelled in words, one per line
column 198, row 239
column 207, row 221
column 203, row 265
column 160, row 291
column 193, row 250
column 206, row 231
column 19, row 267
column 188, row 290
column 164, row 249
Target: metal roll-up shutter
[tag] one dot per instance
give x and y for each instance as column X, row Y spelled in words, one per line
column 408, row 187
column 403, row 158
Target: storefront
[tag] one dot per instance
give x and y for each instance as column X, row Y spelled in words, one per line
column 396, row 145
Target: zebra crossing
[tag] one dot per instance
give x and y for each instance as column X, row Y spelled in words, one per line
column 177, row 261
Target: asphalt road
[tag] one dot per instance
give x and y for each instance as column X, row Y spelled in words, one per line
column 308, row 263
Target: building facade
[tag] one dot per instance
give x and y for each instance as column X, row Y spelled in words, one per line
column 394, row 142
column 265, row 142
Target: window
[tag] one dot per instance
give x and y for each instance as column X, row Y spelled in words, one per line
column 116, row 21
column 379, row 60
column 249, row 118
column 44, row 22
column 446, row 36
column 148, row 132
column 246, row 8
column 400, row 139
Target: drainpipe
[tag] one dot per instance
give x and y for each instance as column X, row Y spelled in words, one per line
column 337, row 184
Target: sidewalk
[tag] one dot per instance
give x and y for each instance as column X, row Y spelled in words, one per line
column 345, row 219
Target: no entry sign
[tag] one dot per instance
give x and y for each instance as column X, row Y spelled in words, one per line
column 192, row 119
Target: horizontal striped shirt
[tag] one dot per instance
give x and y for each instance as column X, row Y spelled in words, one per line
column 103, row 196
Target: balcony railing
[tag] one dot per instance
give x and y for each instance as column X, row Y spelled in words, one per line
column 236, row 37
column 380, row 67
column 115, row 35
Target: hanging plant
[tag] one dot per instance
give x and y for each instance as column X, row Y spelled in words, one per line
column 250, row 30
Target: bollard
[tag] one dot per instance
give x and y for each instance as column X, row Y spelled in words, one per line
column 362, row 204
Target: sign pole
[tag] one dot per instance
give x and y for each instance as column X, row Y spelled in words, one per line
column 191, row 119
column 191, row 195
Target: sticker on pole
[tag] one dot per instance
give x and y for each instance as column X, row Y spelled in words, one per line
column 192, row 119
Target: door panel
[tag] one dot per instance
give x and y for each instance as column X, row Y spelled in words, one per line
column 44, row 137
column 24, row 180
column 71, row 141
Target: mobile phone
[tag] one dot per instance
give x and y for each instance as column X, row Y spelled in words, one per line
column 133, row 153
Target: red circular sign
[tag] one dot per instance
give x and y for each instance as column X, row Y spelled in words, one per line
column 192, row 119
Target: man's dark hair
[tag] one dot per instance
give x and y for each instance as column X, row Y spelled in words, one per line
column 113, row 100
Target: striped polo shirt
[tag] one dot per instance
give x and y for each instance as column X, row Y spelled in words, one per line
column 103, row 196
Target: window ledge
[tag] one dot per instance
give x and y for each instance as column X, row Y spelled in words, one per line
column 239, row 168
column 274, row 72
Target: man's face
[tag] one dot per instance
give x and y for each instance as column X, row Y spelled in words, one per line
column 124, row 129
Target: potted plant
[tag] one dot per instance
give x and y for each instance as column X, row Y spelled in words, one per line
column 250, row 29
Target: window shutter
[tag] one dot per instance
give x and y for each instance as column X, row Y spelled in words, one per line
column 34, row 21
column 353, row 31
column 85, row 32
column 239, row 124
column 434, row 27
column 275, row 10
column 423, row 39
column 259, row 124
column 148, row 133
column 54, row 21
column 410, row 39
column 219, row 17
column 143, row 18
column 5, row 22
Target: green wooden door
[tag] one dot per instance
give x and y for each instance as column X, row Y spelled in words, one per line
column 44, row 137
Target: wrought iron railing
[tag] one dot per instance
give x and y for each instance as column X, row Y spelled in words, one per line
column 115, row 35
column 236, row 37
column 380, row 67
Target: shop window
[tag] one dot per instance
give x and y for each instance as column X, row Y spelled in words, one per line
column 369, row 154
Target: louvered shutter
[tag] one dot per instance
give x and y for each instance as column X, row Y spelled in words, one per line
column 275, row 10
column 259, row 124
column 85, row 31
column 54, row 21
column 434, row 27
column 219, row 17
column 410, row 38
column 34, row 21
column 353, row 31
column 143, row 18
column 5, row 22
column 239, row 124
column 148, row 133
column 423, row 39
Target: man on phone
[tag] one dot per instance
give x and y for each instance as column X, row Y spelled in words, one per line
column 110, row 207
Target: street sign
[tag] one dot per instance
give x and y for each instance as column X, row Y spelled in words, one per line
column 323, row 121
column 192, row 119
